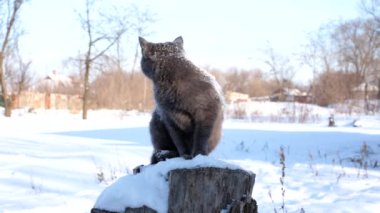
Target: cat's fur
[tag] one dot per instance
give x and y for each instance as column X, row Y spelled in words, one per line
column 188, row 116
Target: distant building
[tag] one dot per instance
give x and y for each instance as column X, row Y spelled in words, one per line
column 290, row 95
column 55, row 83
column 372, row 90
column 38, row 100
column 55, row 91
column 233, row 97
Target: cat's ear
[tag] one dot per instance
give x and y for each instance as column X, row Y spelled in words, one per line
column 146, row 47
column 143, row 43
column 179, row 40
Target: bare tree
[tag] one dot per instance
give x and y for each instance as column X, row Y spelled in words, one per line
column 357, row 46
column 114, row 89
column 251, row 82
column 372, row 8
column 140, row 25
column 333, row 87
column 318, row 55
column 8, row 21
column 99, row 41
column 17, row 71
column 346, row 49
column 280, row 68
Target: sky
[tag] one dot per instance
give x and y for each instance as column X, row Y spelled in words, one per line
column 220, row 34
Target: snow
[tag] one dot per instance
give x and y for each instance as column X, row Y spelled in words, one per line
column 53, row 160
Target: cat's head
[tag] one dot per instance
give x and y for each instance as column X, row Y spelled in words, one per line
column 155, row 51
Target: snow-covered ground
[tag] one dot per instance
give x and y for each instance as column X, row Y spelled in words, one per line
column 53, row 160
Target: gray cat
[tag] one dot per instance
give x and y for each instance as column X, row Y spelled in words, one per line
column 188, row 116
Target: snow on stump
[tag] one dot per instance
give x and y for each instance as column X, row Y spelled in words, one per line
column 177, row 185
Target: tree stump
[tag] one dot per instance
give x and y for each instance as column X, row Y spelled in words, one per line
column 206, row 189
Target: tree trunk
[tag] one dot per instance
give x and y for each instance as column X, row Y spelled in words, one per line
column 86, row 86
column 378, row 95
column 4, row 91
column 9, row 27
column 208, row 189
column 7, row 107
column 366, row 100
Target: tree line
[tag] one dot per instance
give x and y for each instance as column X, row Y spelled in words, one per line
column 343, row 55
column 105, row 26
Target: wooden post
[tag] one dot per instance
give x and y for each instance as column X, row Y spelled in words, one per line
column 206, row 189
